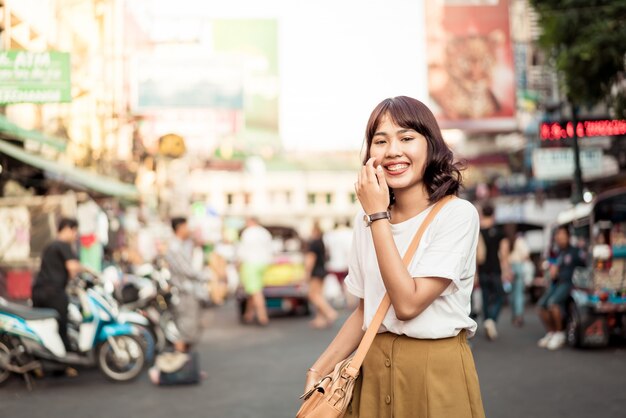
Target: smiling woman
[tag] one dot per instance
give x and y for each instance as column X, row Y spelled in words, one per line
column 411, row 119
column 419, row 363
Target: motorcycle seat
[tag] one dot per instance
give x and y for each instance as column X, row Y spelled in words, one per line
column 26, row 312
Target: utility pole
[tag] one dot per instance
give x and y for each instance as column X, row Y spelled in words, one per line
column 577, row 187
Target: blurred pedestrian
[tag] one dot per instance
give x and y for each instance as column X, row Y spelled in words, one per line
column 419, row 364
column 519, row 258
column 255, row 255
column 338, row 243
column 493, row 270
column 93, row 232
column 315, row 267
column 552, row 304
column 184, row 278
column 59, row 264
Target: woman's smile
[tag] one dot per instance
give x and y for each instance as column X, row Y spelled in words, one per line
column 402, row 153
column 396, row 169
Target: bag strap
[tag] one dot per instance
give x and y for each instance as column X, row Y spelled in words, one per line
column 355, row 364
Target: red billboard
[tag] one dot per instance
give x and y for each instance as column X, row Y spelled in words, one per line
column 471, row 78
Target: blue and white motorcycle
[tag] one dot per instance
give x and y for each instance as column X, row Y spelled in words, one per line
column 29, row 339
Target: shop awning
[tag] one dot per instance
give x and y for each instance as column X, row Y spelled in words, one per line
column 71, row 175
column 12, row 130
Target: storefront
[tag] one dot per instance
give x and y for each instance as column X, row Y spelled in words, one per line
column 602, row 145
column 36, row 193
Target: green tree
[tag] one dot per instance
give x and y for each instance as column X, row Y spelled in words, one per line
column 587, row 39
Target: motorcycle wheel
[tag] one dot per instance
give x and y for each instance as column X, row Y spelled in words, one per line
column 573, row 327
column 148, row 342
column 5, row 358
column 129, row 365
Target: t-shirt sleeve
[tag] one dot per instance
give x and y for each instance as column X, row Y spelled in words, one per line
column 67, row 252
column 313, row 246
column 355, row 281
column 316, row 247
column 453, row 240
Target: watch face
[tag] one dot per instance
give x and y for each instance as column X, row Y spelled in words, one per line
column 366, row 219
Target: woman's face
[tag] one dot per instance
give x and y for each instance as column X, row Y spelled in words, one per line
column 402, row 153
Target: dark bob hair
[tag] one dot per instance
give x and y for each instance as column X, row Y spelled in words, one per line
column 442, row 175
column 70, row 223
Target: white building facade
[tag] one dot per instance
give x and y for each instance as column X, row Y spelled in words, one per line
column 290, row 198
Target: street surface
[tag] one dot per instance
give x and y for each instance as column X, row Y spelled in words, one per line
column 259, row 372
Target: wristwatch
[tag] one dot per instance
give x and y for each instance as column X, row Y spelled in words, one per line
column 368, row 219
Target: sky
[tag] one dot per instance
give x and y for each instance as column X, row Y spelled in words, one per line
column 338, row 60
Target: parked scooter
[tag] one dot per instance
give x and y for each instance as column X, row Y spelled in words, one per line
column 145, row 299
column 29, row 339
column 124, row 316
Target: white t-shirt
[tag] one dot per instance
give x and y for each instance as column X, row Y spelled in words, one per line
column 338, row 244
column 447, row 250
column 255, row 245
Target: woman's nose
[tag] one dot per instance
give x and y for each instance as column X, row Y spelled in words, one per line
column 393, row 149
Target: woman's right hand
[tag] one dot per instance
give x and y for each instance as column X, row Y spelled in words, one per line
column 312, row 378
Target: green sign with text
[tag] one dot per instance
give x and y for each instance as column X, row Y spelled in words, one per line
column 34, row 77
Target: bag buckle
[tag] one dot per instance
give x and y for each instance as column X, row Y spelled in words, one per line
column 345, row 374
column 307, row 395
column 338, row 395
column 318, row 387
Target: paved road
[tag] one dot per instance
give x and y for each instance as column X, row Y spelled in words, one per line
column 255, row 372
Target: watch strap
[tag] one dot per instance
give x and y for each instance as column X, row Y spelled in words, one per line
column 378, row 216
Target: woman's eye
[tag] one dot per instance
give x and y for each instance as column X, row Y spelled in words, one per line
column 407, row 138
column 379, row 142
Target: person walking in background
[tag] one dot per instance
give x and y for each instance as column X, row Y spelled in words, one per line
column 493, row 270
column 519, row 258
column 255, row 255
column 552, row 303
column 314, row 265
column 338, row 243
column 179, row 260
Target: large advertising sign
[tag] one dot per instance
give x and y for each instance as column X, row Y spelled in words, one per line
column 220, row 89
column 235, row 68
column 187, row 77
column 34, row 77
column 471, row 77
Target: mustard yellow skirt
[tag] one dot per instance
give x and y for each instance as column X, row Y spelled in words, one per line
column 407, row 377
